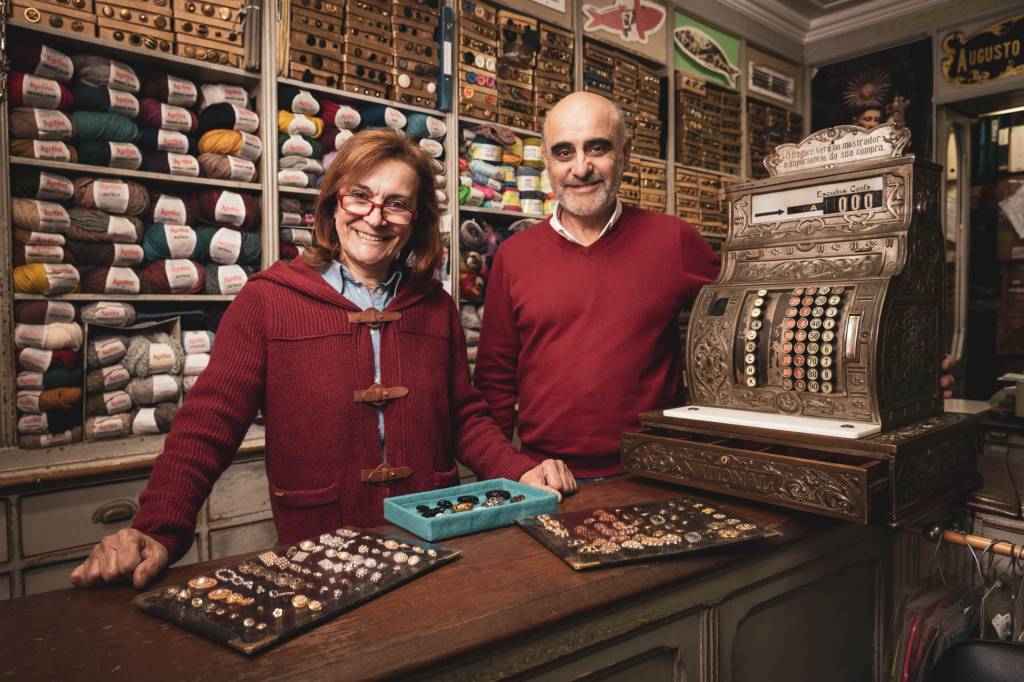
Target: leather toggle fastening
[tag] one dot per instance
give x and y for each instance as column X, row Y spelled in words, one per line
column 378, row 394
column 384, row 474
column 373, row 318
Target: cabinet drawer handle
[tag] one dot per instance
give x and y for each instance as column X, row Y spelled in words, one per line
column 115, row 512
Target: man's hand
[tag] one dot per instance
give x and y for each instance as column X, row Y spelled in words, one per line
column 553, row 475
column 948, row 381
column 124, row 555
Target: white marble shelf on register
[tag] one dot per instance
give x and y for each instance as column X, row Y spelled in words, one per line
column 814, row 426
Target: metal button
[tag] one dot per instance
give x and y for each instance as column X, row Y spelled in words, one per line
column 758, row 302
column 826, row 349
column 826, row 375
column 816, row 323
column 750, row 358
column 756, row 312
column 810, row 291
column 828, row 336
column 108, row 11
column 829, row 323
column 812, row 360
column 750, row 370
column 817, row 311
column 791, row 312
column 837, row 290
column 787, row 384
column 786, row 360
column 751, row 335
column 787, row 336
column 820, row 300
column 799, row 385
column 812, row 386
column 799, row 348
column 807, row 301
column 826, row 361
column 814, row 335
column 755, row 324
column 787, row 347
column 207, row 9
column 125, row 13
column 831, row 311
column 798, row 292
column 750, row 347
column 824, row 291
column 812, row 374
column 834, row 300
column 787, row 372
column 799, row 372
column 794, row 301
column 805, row 311
column 789, row 323
column 799, row 360
column 826, row 387
column 762, row 292
column 32, row 15
column 802, row 323
column 751, row 382
column 812, row 348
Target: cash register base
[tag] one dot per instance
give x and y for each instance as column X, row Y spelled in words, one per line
column 892, row 478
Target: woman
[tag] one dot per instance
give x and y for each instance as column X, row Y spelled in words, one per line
column 360, row 402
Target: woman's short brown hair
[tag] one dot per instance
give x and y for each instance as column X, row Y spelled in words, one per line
column 358, row 156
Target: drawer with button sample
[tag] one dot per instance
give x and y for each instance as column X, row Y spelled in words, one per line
column 60, row 17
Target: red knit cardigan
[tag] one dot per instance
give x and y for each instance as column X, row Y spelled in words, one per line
column 285, row 346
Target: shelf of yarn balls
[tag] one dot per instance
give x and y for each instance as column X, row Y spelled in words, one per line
column 515, row 215
column 482, row 122
column 132, row 298
column 111, row 171
column 353, row 96
column 138, row 58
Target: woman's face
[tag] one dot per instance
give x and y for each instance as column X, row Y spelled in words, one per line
column 370, row 244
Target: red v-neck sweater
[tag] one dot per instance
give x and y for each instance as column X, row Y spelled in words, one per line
column 286, row 346
column 586, row 337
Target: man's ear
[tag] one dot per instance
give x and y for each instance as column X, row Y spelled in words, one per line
column 627, row 149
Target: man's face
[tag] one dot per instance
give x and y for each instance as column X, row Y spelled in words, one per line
column 584, row 159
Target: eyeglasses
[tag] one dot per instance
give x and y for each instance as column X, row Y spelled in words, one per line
column 394, row 212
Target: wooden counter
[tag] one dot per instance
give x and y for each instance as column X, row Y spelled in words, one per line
column 806, row 604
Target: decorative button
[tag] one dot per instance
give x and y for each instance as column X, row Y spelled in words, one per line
column 203, row 582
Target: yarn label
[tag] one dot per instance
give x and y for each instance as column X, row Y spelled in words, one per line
column 290, row 218
column 181, row 240
column 121, row 281
column 164, row 388
column 241, row 169
column 161, row 358
column 170, row 209
column 232, row 94
column 125, row 155
column 347, row 117
column 28, row 401
column 122, row 77
column 117, row 402
column 113, row 314
column 296, row 145
column 181, row 275
column 251, row 146
column 35, row 358
column 46, row 238
column 305, row 103
column 49, row 439
column 302, row 125
column 50, row 150
column 115, row 375
column 32, row 335
column 226, row 246
column 340, row 138
column 181, row 92
column 533, row 206
column 54, row 187
column 195, row 363
column 231, row 279
column 245, row 120
column 62, row 277
column 37, row 253
column 196, row 342
column 33, row 423
column 128, row 254
column 230, row 209
column 532, row 152
column 107, row 350
column 107, row 426
column 124, row 103
column 183, row 164
column 171, row 141
column 432, row 147
column 53, row 124
column 485, row 152
column 145, row 421
column 54, row 64
column 436, row 127
column 292, row 178
column 59, row 311
column 30, row 380
column 120, row 229
column 527, row 183
column 40, row 92
column 175, row 118
column 393, row 118
column 110, row 195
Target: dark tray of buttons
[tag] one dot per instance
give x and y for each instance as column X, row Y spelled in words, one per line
column 610, row 536
column 280, row 593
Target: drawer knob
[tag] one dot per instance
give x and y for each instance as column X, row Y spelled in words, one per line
column 115, row 512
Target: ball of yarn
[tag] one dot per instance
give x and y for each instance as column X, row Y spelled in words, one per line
column 106, row 253
column 215, row 93
column 63, row 398
column 301, row 163
column 472, row 236
column 110, row 313
column 419, row 125
column 299, row 124
column 54, row 421
column 196, row 363
column 161, row 241
column 225, row 279
column 39, row 184
column 48, row 150
column 157, row 140
column 167, row 116
column 153, row 353
column 49, row 440
column 227, row 167
column 197, row 341
column 332, row 139
column 157, row 419
column 49, row 279
column 232, row 142
column 38, row 360
column 157, row 388
column 41, row 124
column 340, row 116
column 300, row 237
column 51, row 336
column 114, row 154
column 227, row 246
column 35, row 253
column 378, row 115
column 164, row 87
column 110, row 280
column 59, row 377
column 172, row 163
column 173, row 276
column 103, row 72
column 88, row 195
column 28, row 54
column 39, row 238
column 103, row 126
column 43, row 312
column 109, row 378
column 176, row 209
column 98, row 428
column 104, row 351
column 94, row 225
column 107, row 403
column 226, row 207
column 297, row 145
column 27, row 90
column 225, row 116
column 297, row 100
column 91, row 98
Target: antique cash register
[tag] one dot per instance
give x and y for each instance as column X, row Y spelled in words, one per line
column 812, row 363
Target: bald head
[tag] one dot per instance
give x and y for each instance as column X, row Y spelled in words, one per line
column 584, row 110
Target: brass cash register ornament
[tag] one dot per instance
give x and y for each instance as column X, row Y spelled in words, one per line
column 820, row 339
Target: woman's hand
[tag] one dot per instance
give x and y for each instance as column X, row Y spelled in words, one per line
column 553, row 475
column 124, row 555
column 948, row 380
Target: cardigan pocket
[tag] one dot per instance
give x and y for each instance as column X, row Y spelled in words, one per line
column 305, row 498
column 301, row 514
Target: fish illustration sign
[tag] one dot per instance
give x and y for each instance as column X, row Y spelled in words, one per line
column 633, row 21
column 705, row 52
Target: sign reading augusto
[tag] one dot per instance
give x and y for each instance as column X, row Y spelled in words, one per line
column 994, row 52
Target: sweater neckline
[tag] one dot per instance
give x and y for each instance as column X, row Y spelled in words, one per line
column 621, row 226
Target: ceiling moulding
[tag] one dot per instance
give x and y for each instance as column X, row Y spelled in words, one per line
column 774, row 15
column 866, row 14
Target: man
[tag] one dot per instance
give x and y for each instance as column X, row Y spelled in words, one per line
column 580, row 318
